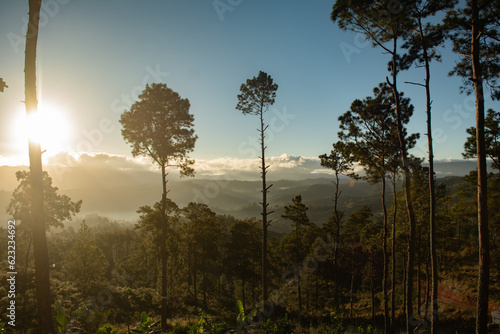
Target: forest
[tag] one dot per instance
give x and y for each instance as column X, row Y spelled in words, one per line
column 424, row 259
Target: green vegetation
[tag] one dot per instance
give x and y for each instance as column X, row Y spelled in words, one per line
column 214, row 263
column 181, row 269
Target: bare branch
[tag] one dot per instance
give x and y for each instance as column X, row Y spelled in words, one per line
column 414, row 83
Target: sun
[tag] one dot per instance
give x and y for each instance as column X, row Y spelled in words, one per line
column 49, row 127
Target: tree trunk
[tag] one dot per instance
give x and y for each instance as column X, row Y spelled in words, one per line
column 405, row 282
column 172, row 286
column 145, row 269
column 432, row 192
column 243, row 292
column 407, row 186
column 27, row 260
column 427, row 290
column 164, row 311
column 482, row 206
column 195, row 283
column 351, row 292
column 155, row 277
column 336, row 245
column 372, row 285
column 254, row 301
column 264, row 210
column 386, row 262
column 298, row 269
column 393, row 280
column 419, row 296
column 308, row 290
column 42, row 279
column 316, row 300
column 204, row 289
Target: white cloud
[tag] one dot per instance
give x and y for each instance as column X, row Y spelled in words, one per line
column 74, row 170
column 108, row 170
column 284, row 166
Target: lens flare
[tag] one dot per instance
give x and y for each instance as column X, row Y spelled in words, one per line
column 49, row 127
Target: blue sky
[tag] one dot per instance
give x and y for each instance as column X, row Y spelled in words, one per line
column 95, row 57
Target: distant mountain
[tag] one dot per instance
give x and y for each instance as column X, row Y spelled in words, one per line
column 237, row 198
column 117, row 195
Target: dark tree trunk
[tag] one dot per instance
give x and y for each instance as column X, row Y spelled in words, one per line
column 428, row 286
column 27, row 260
column 419, row 296
column 393, row 280
column 316, row 301
column 195, row 289
column 164, row 312
column 407, row 187
column 145, row 254
column 459, row 246
column 172, row 287
column 205, row 289
column 372, row 284
column 432, row 192
column 155, row 277
column 308, row 288
column 351, row 292
column 482, row 206
column 405, row 282
column 42, row 280
column 338, row 218
column 386, row 262
column 298, row 269
column 243, row 292
column 265, row 190
column 253, row 291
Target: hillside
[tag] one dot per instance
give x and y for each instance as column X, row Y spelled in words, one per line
column 237, row 198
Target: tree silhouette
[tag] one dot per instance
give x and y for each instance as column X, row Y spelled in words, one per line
column 340, row 161
column 3, row 85
column 257, row 95
column 159, row 126
column 85, row 263
column 362, row 233
column 476, row 35
column 150, row 229
column 203, row 233
column 244, row 252
column 35, row 155
column 297, row 213
column 369, row 131
column 421, row 45
column 393, row 167
column 491, row 137
column 57, row 208
column 384, row 23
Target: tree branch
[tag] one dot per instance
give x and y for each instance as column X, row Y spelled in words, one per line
column 414, row 83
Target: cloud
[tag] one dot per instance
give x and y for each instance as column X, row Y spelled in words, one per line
column 71, row 171
column 284, row 166
column 98, row 160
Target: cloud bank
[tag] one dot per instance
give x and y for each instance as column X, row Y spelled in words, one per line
column 70, row 171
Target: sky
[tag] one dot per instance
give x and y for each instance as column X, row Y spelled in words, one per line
column 95, row 57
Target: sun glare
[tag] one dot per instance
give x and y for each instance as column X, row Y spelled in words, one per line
column 49, row 126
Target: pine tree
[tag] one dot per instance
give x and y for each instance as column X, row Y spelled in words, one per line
column 257, row 95
column 159, row 126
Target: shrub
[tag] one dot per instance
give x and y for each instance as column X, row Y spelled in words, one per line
column 106, row 329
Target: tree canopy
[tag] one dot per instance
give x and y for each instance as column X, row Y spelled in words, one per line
column 257, row 94
column 160, row 126
column 57, row 208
